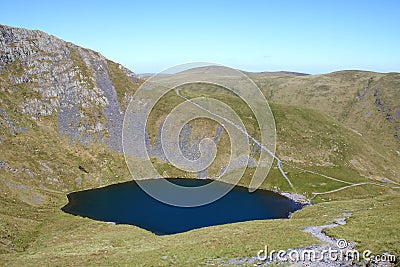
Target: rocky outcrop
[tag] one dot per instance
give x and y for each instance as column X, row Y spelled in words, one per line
column 390, row 115
column 62, row 81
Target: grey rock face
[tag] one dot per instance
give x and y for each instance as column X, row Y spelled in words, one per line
column 190, row 150
column 391, row 116
column 111, row 111
column 65, row 80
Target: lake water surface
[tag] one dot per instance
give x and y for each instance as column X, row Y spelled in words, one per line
column 127, row 203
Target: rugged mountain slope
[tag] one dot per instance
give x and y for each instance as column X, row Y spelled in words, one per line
column 366, row 102
column 77, row 89
column 61, row 111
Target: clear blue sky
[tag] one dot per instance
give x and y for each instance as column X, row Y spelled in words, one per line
column 148, row 36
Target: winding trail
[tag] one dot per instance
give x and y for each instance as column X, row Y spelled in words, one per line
column 348, row 186
column 316, row 231
column 320, row 174
column 328, row 244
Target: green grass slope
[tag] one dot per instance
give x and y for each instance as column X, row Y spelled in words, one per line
column 366, row 102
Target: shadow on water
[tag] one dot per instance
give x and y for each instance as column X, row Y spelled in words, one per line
column 127, row 203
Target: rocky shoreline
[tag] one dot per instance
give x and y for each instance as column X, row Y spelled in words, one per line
column 299, row 198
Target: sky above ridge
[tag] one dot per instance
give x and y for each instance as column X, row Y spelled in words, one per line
column 149, row 36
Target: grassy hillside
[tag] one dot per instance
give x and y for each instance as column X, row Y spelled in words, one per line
column 366, row 102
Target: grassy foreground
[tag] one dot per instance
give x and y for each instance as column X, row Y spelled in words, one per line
column 60, row 239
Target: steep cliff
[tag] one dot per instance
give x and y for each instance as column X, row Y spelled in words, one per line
column 42, row 76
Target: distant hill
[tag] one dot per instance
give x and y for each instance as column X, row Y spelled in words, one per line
column 275, row 73
column 213, row 69
column 208, row 69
